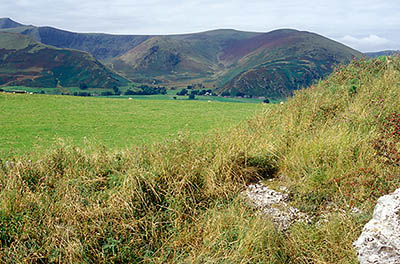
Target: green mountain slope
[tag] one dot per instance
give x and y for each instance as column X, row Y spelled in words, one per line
column 24, row 61
column 270, row 64
column 283, row 61
column 101, row 46
column 257, row 64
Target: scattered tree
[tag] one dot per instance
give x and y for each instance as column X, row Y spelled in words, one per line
column 182, row 92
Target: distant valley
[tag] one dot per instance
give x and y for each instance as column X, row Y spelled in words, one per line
column 382, row 53
column 230, row 62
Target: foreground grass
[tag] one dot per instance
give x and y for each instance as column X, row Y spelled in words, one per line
column 335, row 146
column 36, row 121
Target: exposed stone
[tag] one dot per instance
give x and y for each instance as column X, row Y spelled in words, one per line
column 9, row 164
column 274, row 205
column 380, row 239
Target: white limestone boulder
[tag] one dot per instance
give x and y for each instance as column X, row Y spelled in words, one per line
column 379, row 241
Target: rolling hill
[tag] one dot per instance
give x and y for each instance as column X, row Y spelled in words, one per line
column 101, row 46
column 382, row 53
column 26, row 62
column 272, row 64
column 178, row 58
column 239, row 63
column 282, row 61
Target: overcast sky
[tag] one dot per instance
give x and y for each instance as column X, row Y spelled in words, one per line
column 366, row 25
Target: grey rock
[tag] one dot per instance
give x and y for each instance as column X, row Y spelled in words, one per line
column 273, row 204
column 379, row 242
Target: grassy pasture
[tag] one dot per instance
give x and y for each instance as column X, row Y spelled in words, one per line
column 36, row 121
column 169, row 96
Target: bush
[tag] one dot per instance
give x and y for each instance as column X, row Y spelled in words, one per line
column 129, row 92
column 183, row 92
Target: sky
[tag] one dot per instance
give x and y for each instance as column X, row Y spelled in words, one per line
column 366, row 25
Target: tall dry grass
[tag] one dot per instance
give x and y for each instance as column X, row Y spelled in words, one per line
column 335, row 146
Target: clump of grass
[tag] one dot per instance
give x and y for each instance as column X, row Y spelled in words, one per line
column 106, row 206
column 334, row 145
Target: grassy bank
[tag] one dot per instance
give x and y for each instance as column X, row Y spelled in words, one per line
column 335, row 146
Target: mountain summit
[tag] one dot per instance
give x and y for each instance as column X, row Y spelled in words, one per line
column 8, row 23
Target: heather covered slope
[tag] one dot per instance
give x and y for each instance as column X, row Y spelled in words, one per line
column 283, row 61
column 334, row 146
column 179, row 57
column 26, row 62
column 257, row 64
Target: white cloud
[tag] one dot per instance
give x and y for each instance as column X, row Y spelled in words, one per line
column 335, row 19
column 369, row 43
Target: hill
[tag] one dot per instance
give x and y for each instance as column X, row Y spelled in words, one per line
column 8, row 23
column 101, row 46
column 26, row 62
column 270, row 64
column 257, row 64
column 283, row 61
column 381, row 53
column 178, row 57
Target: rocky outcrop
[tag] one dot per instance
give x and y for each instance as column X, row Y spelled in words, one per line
column 379, row 242
column 274, row 205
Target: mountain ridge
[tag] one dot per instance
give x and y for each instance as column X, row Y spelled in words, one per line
column 6, row 22
column 230, row 61
column 24, row 61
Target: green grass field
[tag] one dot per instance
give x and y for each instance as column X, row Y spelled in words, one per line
column 169, row 96
column 35, row 122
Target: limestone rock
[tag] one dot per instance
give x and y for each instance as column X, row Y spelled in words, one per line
column 273, row 204
column 380, row 239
